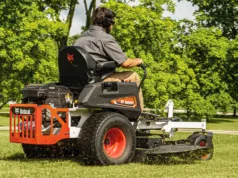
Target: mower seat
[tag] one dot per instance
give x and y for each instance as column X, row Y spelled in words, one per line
column 77, row 68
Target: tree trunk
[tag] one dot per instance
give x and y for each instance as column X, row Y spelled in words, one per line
column 234, row 112
column 2, row 104
column 62, row 41
column 188, row 114
column 207, row 118
column 71, row 14
column 89, row 10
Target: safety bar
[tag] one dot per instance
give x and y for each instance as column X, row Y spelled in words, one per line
column 27, row 124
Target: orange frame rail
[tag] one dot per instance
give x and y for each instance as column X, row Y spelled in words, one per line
column 26, row 124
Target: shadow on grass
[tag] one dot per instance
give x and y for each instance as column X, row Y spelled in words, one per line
column 222, row 120
column 4, row 113
column 16, row 156
column 214, row 120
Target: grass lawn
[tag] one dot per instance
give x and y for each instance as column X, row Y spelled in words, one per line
column 4, row 109
column 223, row 123
column 4, row 120
column 13, row 163
column 4, row 116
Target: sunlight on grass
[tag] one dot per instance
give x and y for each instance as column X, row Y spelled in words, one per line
column 223, row 124
column 224, row 164
column 4, row 120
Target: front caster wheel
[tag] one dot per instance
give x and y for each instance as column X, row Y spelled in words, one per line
column 201, row 140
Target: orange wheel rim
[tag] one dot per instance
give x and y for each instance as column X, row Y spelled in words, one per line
column 204, row 157
column 114, row 143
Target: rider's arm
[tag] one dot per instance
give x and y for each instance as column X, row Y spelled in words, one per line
column 129, row 63
column 114, row 52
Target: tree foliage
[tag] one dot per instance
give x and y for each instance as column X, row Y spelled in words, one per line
column 207, row 50
column 223, row 14
column 218, row 13
column 57, row 6
column 27, row 49
column 231, row 74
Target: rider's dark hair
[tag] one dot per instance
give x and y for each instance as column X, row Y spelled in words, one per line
column 103, row 17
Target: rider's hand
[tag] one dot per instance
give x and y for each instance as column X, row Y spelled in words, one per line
column 139, row 61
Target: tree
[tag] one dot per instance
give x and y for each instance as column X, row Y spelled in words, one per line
column 231, row 75
column 89, row 8
column 57, row 6
column 207, row 50
column 223, row 14
column 28, row 51
column 158, row 6
column 218, row 13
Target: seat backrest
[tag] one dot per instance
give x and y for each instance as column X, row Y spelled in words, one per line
column 76, row 67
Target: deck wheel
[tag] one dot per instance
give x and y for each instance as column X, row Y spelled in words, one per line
column 201, row 140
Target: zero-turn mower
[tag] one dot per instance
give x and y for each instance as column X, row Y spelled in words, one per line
column 100, row 121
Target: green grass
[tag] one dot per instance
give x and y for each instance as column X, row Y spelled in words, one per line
column 4, row 116
column 223, row 124
column 224, row 164
column 4, row 109
column 218, row 122
column 4, row 120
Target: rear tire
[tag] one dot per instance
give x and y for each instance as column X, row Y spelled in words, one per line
column 107, row 139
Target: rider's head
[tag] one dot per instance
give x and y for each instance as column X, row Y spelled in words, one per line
column 104, row 17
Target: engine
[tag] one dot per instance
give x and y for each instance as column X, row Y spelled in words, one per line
column 56, row 95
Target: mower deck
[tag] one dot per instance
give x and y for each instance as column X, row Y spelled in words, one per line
column 169, row 149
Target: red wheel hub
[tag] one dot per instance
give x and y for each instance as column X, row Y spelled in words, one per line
column 114, row 142
column 202, row 143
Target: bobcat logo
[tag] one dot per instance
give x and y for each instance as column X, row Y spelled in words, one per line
column 17, row 110
column 70, row 57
